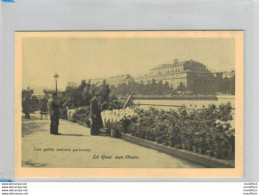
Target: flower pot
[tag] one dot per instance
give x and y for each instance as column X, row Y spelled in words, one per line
column 184, row 146
column 217, row 154
column 195, row 149
column 152, row 138
column 171, row 143
column 113, row 133
column 231, row 155
column 178, row 146
column 224, row 154
column 125, row 129
column 201, row 150
column 158, row 140
column 209, row 152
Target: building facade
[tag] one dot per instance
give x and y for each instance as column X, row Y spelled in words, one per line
column 193, row 75
column 115, row 81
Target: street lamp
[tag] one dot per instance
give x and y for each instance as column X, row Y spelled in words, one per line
column 56, row 79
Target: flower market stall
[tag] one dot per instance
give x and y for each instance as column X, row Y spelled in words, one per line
column 206, row 131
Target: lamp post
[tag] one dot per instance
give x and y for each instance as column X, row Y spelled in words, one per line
column 56, row 79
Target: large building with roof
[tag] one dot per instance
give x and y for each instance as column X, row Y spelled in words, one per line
column 115, row 80
column 192, row 74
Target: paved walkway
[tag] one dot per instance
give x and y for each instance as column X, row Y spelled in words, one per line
column 76, row 148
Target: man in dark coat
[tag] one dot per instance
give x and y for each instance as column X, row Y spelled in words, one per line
column 95, row 114
column 54, row 115
column 27, row 106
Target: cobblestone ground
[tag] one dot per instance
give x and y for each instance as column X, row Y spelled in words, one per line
column 76, row 148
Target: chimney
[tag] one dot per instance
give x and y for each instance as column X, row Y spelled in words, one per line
column 175, row 61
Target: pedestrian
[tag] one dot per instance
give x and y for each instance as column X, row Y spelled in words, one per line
column 54, row 114
column 27, row 107
column 95, row 115
column 44, row 108
column 49, row 104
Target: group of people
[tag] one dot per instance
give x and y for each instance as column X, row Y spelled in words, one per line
column 30, row 104
column 52, row 107
column 47, row 106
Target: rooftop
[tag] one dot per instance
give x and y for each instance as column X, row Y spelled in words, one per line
column 176, row 63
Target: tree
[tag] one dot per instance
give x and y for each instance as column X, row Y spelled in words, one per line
column 105, row 91
column 181, row 87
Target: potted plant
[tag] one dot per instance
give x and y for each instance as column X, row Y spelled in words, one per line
column 201, row 145
column 209, row 143
column 217, row 154
column 225, row 148
column 166, row 138
column 159, row 139
column 152, row 138
column 217, row 146
column 177, row 142
column 183, row 141
column 178, row 146
column 171, row 140
column 188, row 144
column 195, row 144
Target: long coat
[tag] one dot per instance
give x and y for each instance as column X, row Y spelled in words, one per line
column 95, row 114
column 54, row 117
column 27, row 107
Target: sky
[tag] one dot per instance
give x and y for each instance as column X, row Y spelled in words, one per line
column 77, row 59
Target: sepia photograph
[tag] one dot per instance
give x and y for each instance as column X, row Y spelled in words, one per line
column 129, row 104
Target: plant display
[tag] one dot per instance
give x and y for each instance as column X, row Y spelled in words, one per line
column 202, row 131
column 118, row 119
column 81, row 114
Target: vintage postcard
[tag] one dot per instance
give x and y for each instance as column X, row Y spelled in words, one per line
column 129, row 104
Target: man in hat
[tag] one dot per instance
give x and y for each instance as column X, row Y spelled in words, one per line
column 54, row 114
column 27, row 106
column 95, row 114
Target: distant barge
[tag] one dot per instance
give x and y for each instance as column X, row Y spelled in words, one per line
column 176, row 97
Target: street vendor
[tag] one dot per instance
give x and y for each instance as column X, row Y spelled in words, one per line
column 54, row 114
column 95, row 114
